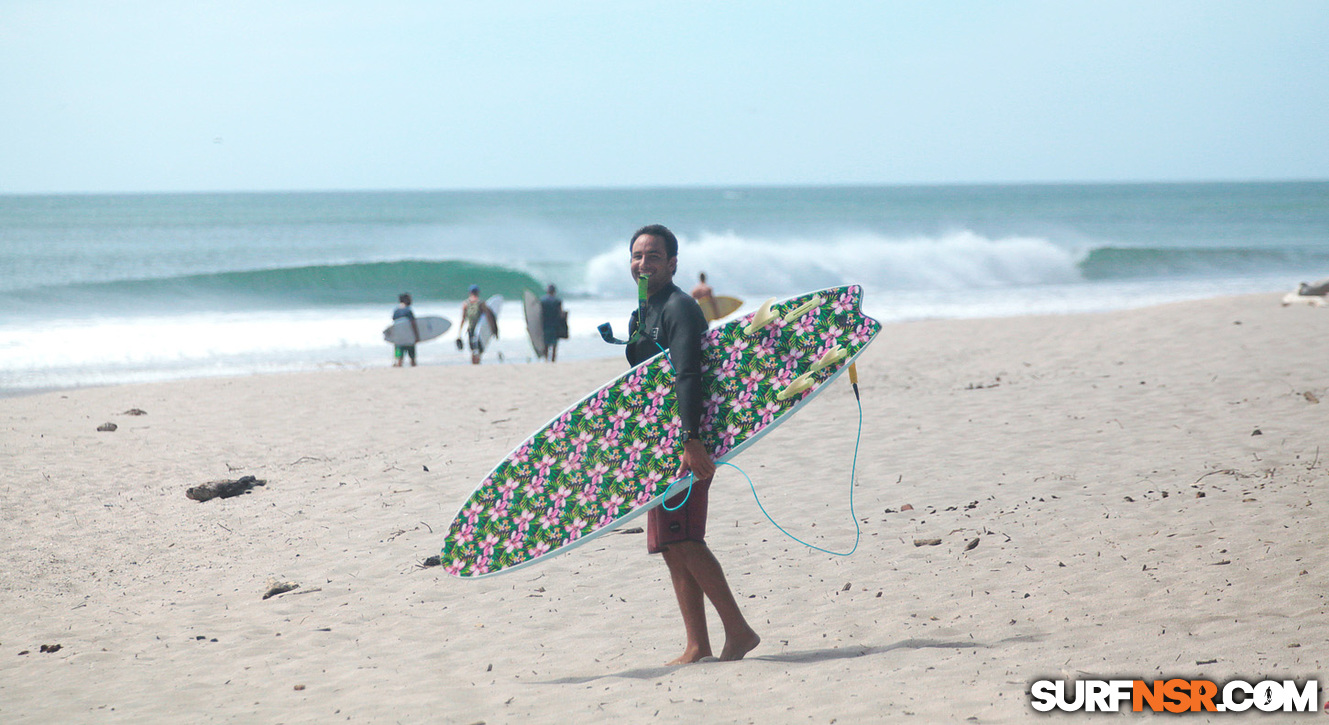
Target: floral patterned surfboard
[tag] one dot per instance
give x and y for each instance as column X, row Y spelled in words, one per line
column 613, row 455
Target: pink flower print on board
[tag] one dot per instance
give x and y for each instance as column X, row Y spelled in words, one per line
column 657, row 395
column 487, row 546
column 546, row 463
column 473, row 512
column 861, row 334
column 524, row 520
column 649, row 484
column 540, row 549
column 614, row 503
column 753, row 379
column 535, row 486
column 729, row 435
column 559, row 430
column 712, row 404
column 455, row 567
column 843, row 303
column 647, row 418
column 805, row 324
column 768, row 412
column 791, row 358
column 662, row 449
column 550, row 518
column 632, row 384
column 624, row 472
column 619, row 419
column 570, row 465
column 672, row 428
column 576, row 527
column 634, row 450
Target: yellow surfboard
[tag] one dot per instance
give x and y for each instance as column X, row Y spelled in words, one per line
column 719, row 306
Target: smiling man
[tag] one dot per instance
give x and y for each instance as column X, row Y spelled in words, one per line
column 672, row 321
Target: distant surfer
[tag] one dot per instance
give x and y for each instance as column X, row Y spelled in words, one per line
column 705, row 296
column 551, row 320
column 670, row 319
column 473, row 310
column 404, row 310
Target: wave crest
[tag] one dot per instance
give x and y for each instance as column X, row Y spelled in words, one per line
column 758, row 266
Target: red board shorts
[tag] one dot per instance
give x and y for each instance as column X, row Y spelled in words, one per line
column 686, row 523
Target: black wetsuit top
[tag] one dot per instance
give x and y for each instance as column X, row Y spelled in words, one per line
column 674, row 321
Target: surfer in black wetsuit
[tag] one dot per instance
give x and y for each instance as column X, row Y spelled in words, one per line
column 672, row 320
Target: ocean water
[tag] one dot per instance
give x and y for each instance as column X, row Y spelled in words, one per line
column 109, row 289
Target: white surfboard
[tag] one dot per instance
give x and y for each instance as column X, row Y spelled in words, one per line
column 400, row 332
column 484, row 329
column 535, row 322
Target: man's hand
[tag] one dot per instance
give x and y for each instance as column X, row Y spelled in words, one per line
column 696, row 460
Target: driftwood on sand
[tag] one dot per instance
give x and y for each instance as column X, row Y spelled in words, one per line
column 223, row 489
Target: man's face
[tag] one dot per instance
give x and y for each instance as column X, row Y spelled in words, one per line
column 651, row 257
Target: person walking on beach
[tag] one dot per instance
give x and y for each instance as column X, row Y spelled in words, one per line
column 551, row 320
column 473, row 310
column 671, row 320
column 404, row 310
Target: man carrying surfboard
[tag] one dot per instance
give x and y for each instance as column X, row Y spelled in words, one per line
column 404, row 310
column 672, row 321
column 475, row 312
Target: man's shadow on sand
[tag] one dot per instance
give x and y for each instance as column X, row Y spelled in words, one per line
column 802, row 657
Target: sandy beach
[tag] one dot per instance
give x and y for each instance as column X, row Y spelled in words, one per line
column 1145, row 490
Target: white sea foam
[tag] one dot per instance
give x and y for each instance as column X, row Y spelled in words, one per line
column 957, row 261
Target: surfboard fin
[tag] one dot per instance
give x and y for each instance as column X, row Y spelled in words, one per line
column 831, row 357
column 800, row 385
column 764, row 317
column 803, row 309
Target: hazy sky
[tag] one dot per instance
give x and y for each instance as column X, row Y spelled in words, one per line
column 179, row 95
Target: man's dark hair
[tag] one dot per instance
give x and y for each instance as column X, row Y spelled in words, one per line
column 660, row 231
column 404, row 298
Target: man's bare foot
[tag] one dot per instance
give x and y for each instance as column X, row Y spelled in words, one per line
column 737, row 646
column 690, row 656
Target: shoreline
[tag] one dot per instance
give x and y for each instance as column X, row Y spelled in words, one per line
column 1142, row 485
column 583, row 347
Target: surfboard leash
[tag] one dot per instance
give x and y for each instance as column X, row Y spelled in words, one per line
column 853, row 476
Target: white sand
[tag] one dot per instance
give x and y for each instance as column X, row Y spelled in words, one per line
column 1073, row 448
